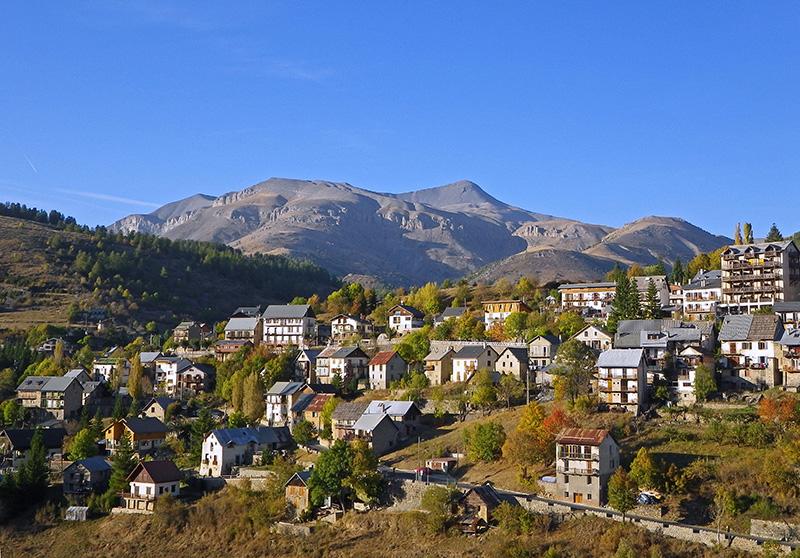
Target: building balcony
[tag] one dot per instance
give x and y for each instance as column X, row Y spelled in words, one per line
column 577, row 470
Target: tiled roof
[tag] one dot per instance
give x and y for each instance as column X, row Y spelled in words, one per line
column 757, row 248
column 746, row 327
column 318, row 402
column 587, row 436
column 349, row 410
column 382, row 358
column 408, row 309
column 160, row 471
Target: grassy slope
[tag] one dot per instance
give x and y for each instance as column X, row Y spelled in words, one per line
column 37, row 285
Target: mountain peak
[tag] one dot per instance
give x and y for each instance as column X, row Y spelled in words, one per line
column 459, row 193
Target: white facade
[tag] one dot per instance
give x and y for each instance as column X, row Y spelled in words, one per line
column 155, row 490
column 403, row 319
column 593, row 296
column 289, row 325
column 466, row 365
column 344, row 326
column 594, row 338
column 383, row 372
column 759, row 275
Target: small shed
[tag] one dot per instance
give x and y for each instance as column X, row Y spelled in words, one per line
column 77, row 513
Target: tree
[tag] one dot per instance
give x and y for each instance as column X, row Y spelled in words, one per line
column 304, row 432
column 724, row 503
column 515, row 325
column 748, row 233
column 364, row 479
column 237, row 392
column 644, row 470
column 415, row 346
column 574, row 368
column 200, row 428
column 33, row 475
column 122, row 463
column 737, row 235
column 774, row 234
column 678, row 274
column 622, row 492
column 569, row 323
column 652, row 306
column 253, row 405
column 484, row 441
column 524, row 446
column 704, row 382
column 135, row 378
column 438, row 502
column 484, row 394
column 119, row 411
column 325, row 417
column 781, row 409
column 510, row 388
column 332, row 467
column 626, row 305
column 83, row 445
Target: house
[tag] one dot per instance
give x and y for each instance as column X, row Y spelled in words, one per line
column 147, row 434
column 245, row 329
column 594, row 337
column 378, row 430
column 226, row 448
column 309, row 407
column 789, row 350
column 192, row 380
column 405, row 414
column 289, row 324
column 585, row 460
column 57, row 397
column 91, row 390
column 443, row 464
column 514, row 361
column 451, row 313
column 759, row 275
column 542, row 349
column 662, row 287
column 111, row 370
column 686, row 363
column 186, row 332
column 476, row 506
column 750, row 347
column 588, row 299
column 789, row 313
column 702, row 294
column 622, row 379
column 279, row 400
column 157, row 407
column 150, row 480
column 439, row 366
column 305, row 365
column 676, row 299
column 15, row 443
column 297, row 493
column 86, row 476
column 225, row 348
column 80, row 374
column 247, row 312
column 349, row 363
column 344, row 416
column 166, row 371
column 403, row 318
column 470, row 359
column 386, row 367
column 346, row 326
column 499, row 310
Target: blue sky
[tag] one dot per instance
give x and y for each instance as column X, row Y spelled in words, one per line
column 599, row 111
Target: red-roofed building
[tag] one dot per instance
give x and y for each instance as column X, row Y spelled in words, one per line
column 585, row 460
column 385, row 368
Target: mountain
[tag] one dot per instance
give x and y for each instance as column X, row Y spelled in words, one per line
column 425, row 235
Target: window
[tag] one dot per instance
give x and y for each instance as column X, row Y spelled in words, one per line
column 588, row 496
column 747, row 346
column 762, row 345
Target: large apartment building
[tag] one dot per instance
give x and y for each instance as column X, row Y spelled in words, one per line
column 758, row 275
column 622, row 379
column 585, row 460
column 588, row 298
column 289, row 324
column 702, row 294
column 499, row 310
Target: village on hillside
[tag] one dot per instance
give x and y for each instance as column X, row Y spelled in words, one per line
column 664, row 397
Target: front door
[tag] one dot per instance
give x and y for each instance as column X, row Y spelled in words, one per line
column 577, row 498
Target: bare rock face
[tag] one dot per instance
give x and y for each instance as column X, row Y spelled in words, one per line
column 424, row 235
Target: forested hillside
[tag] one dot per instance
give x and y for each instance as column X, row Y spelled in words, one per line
column 52, row 269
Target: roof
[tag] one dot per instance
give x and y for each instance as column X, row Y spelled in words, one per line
column 705, row 280
column 757, row 247
column 791, row 338
column 247, row 312
column 317, row 402
column 161, row 400
column 369, row 422
column 786, row 306
column 746, row 327
column 552, row 339
column 383, row 357
column 303, row 476
column 586, row 436
column 592, row 326
column 630, row 332
column 292, row 311
column 46, row 383
column 311, row 354
column 147, row 357
column 518, row 352
column 643, row 281
column 600, row 285
column 472, row 351
column 75, row 372
column 408, row 309
column 505, row 301
column 486, row 493
column 620, row 358
column 349, row 410
column 21, row 437
column 247, row 435
column 353, row 317
column 324, row 388
column 303, row 401
column 285, row 388
column 160, row 471
column 438, row 355
column 185, row 325
column 453, row 312
column 241, row 324
column 391, row 408
column 94, row 464
column 144, row 425
column 346, row 352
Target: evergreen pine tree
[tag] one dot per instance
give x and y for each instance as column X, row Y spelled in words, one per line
column 632, row 307
column 774, row 234
column 133, row 410
column 33, row 476
column 118, row 411
column 122, row 464
column 652, row 307
column 97, row 425
column 678, row 274
column 737, row 237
